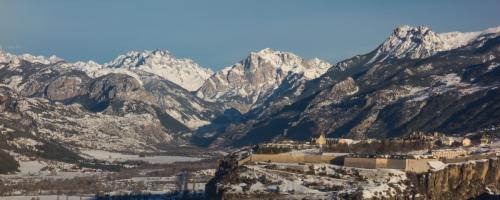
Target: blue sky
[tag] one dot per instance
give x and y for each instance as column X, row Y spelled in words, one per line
column 219, row 33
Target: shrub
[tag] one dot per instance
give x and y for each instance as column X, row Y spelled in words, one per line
column 8, row 163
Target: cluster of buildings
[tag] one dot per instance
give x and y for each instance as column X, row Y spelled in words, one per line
column 409, row 164
column 288, row 144
column 322, row 141
column 450, row 149
column 434, row 137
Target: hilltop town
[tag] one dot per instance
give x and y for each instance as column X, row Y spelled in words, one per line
column 347, row 168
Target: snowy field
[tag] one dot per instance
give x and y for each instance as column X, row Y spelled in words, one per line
column 30, row 167
column 46, row 197
column 325, row 181
column 119, row 157
column 34, row 169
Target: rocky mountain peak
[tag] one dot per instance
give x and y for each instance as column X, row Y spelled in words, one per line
column 257, row 76
column 183, row 72
column 285, row 63
column 265, row 51
column 405, row 31
column 137, row 58
column 6, row 57
column 271, row 56
column 421, row 42
column 412, row 42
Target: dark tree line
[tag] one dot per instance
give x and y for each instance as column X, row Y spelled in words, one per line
column 259, row 149
column 7, row 163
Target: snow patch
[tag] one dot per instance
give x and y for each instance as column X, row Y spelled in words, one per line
column 492, row 66
column 436, row 165
column 120, row 157
column 451, row 79
column 183, row 72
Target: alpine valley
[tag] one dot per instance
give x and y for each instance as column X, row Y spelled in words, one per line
column 416, row 80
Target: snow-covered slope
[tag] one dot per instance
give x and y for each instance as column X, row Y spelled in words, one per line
column 52, row 78
column 421, row 42
column 183, row 72
column 6, row 57
column 253, row 79
column 456, row 39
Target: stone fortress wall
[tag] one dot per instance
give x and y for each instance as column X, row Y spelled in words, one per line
column 413, row 165
column 288, row 158
column 417, row 165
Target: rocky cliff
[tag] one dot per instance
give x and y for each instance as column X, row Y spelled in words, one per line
column 477, row 179
column 466, row 180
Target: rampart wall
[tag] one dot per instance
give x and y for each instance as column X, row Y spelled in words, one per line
column 418, row 165
column 291, row 158
column 413, row 165
column 368, row 163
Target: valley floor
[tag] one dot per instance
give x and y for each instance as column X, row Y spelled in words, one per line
column 157, row 175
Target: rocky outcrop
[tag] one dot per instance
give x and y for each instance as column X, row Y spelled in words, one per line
column 459, row 181
column 466, row 180
column 226, row 170
column 8, row 100
column 113, row 88
column 65, row 87
column 12, row 111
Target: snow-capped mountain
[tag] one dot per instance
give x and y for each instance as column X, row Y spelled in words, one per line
column 416, row 80
column 410, row 75
column 252, row 80
column 421, row 42
column 6, row 57
column 97, row 87
column 181, row 71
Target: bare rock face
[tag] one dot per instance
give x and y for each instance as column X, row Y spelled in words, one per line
column 112, row 86
column 65, row 87
column 180, row 103
column 8, row 102
column 31, row 88
column 12, row 114
column 459, row 181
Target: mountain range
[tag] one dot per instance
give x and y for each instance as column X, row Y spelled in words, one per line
column 416, row 80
